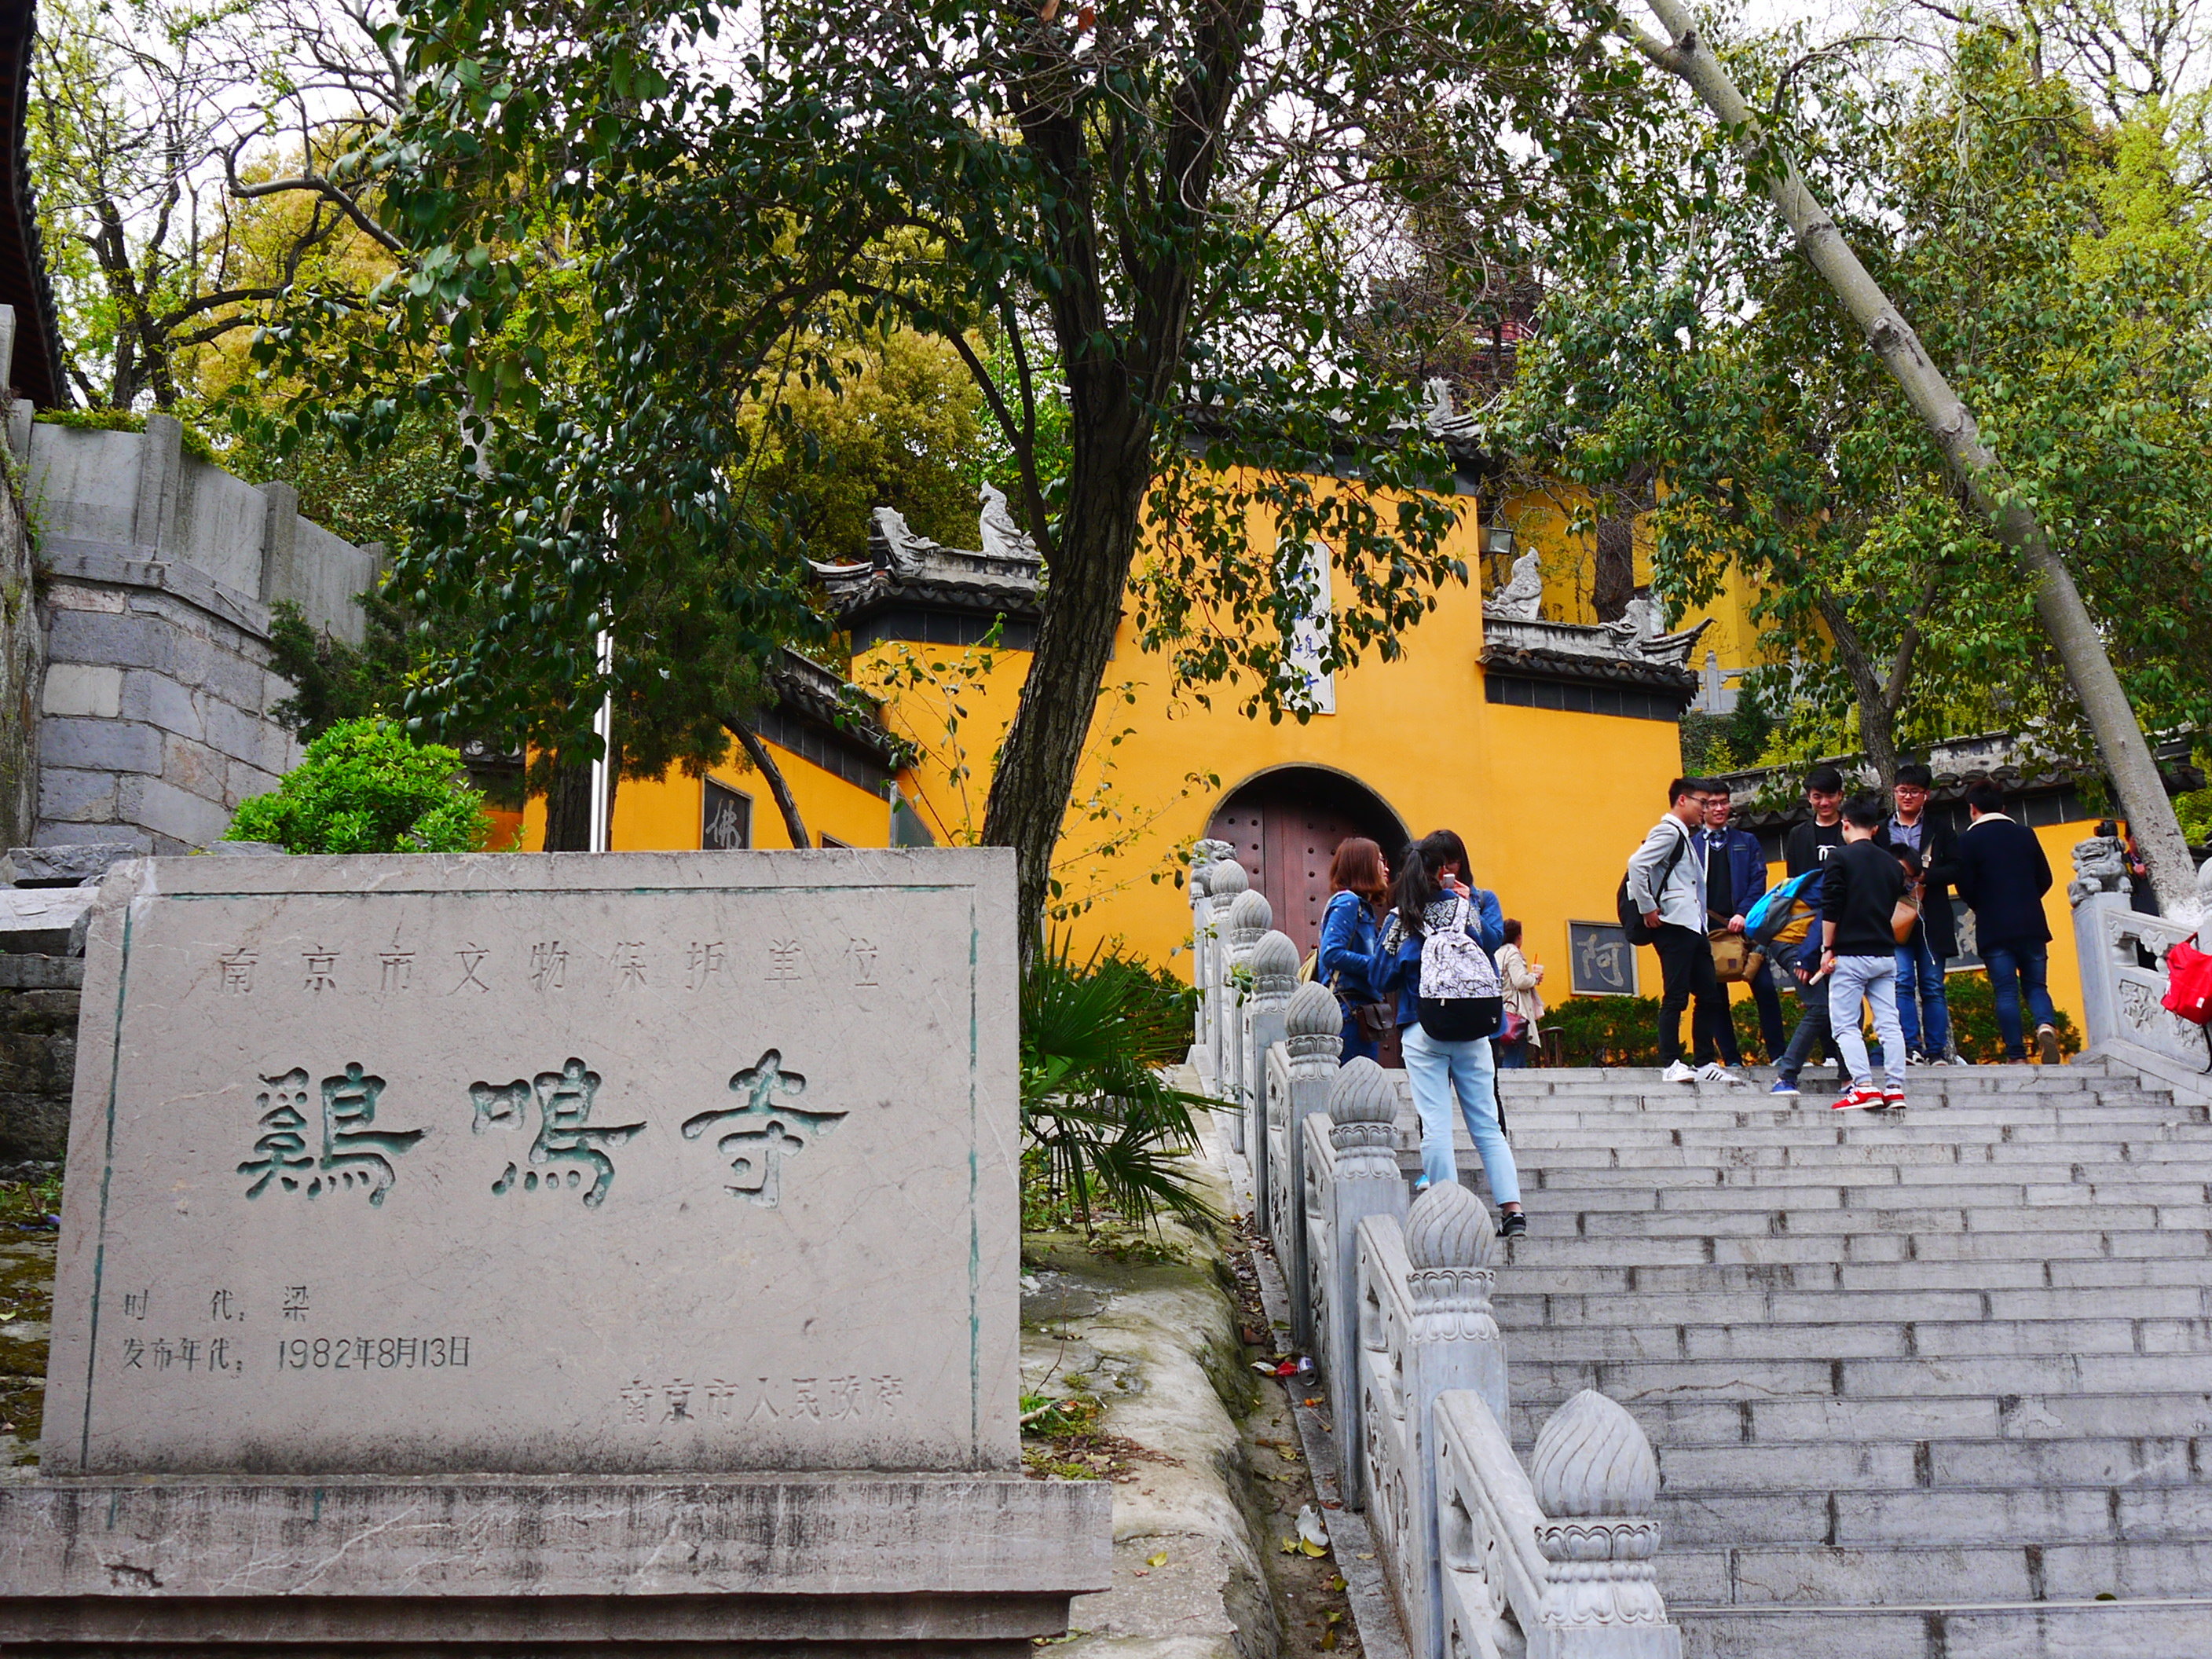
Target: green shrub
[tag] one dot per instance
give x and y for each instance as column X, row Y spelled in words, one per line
column 1100, row 1126
column 2194, row 811
column 366, row 787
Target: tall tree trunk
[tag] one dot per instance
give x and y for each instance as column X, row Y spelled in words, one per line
column 1975, row 471
column 1036, row 775
column 1877, row 713
column 1613, row 580
column 764, row 763
column 569, row 809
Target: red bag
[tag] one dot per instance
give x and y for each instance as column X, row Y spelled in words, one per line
column 2189, row 983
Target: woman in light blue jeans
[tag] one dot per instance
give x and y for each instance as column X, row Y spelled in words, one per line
column 1431, row 891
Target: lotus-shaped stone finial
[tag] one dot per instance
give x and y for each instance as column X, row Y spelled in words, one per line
column 1449, row 1227
column 1312, row 1012
column 1274, row 965
column 1591, row 1459
column 1226, row 879
column 1250, row 915
column 1363, row 1093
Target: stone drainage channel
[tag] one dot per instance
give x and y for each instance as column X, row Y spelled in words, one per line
column 1154, row 1342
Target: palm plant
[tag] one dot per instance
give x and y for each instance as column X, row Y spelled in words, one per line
column 1105, row 1125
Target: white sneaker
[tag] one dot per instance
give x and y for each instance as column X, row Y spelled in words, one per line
column 1678, row 1073
column 1713, row 1072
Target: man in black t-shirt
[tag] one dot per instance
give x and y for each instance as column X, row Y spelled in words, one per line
column 1858, row 901
column 1806, row 847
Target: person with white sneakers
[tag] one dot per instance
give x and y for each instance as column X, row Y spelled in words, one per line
column 1859, row 956
column 1667, row 886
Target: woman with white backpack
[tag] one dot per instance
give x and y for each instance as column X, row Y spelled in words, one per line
column 1435, row 954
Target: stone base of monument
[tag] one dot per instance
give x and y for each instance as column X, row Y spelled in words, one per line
column 821, row 1564
column 545, row 1255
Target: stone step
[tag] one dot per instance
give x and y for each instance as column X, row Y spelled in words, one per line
column 2131, row 1629
column 1957, row 1362
column 1882, row 1465
column 1929, row 1339
column 1543, row 1083
column 1633, row 1381
column 1830, row 1159
column 1923, row 1222
column 1971, row 1515
column 1948, row 1183
column 1731, row 1211
column 1649, row 1248
column 2069, row 1140
column 1538, row 1270
column 1811, row 1105
column 1936, row 1574
column 1520, row 1310
column 1685, row 1421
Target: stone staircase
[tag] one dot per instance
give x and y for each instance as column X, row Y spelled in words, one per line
column 1938, row 1387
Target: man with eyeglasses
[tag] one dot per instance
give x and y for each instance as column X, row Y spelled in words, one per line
column 1921, row 1007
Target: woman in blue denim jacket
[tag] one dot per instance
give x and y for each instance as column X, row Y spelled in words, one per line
column 1360, row 884
column 1432, row 887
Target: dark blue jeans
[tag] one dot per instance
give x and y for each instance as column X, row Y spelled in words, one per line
column 2022, row 963
column 1355, row 1044
column 1921, row 1009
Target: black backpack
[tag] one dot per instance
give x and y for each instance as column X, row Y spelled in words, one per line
column 1631, row 919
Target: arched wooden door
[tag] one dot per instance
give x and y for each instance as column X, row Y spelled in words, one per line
column 1286, row 826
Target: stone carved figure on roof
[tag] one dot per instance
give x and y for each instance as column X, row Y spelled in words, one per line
column 907, row 550
column 1522, row 597
column 1438, row 414
column 1003, row 539
column 1639, row 620
column 1639, row 633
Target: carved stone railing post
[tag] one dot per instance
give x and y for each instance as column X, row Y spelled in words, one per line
column 1274, row 976
column 1204, row 973
column 1452, row 1344
column 1597, row 1482
column 1201, row 910
column 1250, row 916
column 1225, row 883
column 1362, row 1110
column 1313, row 1045
column 2120, row 998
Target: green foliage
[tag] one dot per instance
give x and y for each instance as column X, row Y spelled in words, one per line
column 640, row 264
column 1103, row 1127
column 333, row 681
column 2194, row 811
column 365, row 787
column 2056, row 273
column 1733, row 742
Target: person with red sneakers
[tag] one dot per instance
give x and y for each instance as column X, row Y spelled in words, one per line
column 1858, row 954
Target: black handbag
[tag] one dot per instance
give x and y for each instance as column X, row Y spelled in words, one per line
column 1462, row 1019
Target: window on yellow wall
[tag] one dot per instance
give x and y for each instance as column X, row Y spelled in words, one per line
column 726, row 817
column 1312, row 689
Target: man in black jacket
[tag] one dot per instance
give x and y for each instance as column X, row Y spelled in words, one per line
column 1921, row 1008
column 2003, row 875
column 1858, row 954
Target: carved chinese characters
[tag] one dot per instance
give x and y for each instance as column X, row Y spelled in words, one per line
column 565, row 1132
column 766, row 1129
column 353, row 1149
column 614, row 1163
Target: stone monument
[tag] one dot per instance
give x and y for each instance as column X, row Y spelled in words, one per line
column 625, row 1245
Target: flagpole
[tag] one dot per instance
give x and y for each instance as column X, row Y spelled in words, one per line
column 603, row 725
